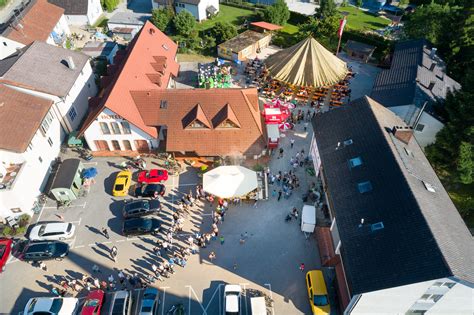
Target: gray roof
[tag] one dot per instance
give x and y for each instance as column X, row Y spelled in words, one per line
column 359, row 47
column 72, row 7
column 66, row 174
column 97, row 49
column 43, row 67
column 411, row 72
column 243, row 40
column 423, row 238
column 129, row 18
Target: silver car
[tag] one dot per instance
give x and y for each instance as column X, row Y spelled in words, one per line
column 52, row 231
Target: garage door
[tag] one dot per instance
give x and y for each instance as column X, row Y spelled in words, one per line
column 101, row 145
column 142, row 146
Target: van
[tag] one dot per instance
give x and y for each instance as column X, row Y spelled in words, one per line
column 121, row 303
column 317, row 293
column 258, row 306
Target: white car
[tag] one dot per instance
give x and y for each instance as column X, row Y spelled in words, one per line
column 232, row 299
column 53, row 306
column 52, row 231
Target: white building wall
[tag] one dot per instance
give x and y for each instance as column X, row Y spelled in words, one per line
column 203, row 5
column 431, row 125
column 77, row 20
column 8, row 47
column 94, row 132
column 458, row 300
column 94, row 11
column 30, row 180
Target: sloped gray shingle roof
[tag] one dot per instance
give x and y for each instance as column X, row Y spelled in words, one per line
column 423, row 238
column 43, row 67
column 412, row 68
column 72, row 7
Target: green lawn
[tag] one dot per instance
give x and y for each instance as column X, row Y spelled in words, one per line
column 290, row 29
column 233, row 15
column 463, row 198
column 360, row 20
column 3, row 3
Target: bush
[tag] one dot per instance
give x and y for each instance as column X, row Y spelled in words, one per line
column 258, row 167
column 24, row 220
column 184, row 23
column 162, row 18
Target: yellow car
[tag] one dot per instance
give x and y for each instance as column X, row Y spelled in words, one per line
column 122, row 184
column 317, row 293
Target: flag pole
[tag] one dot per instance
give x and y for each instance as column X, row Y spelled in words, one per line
column 338, row 44
column 342, row 23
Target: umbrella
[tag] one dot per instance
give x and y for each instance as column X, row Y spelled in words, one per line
column 288, row 105
column 284, row 126
column 89, row 172
column 230, row 181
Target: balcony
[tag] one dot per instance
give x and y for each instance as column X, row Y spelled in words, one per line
column 7, row 178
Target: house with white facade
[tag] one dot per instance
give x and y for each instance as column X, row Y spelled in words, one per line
column 30, row 140
column 412, row 86
column 80, row 12
column 114, row 125
column 57, row 74
column 200, row 9
column 394, row 237
column 39, row 20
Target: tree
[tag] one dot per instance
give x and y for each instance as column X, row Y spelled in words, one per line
column 109, row 5
column 184, row 23
column 326, row 8
column 359, row 3
column 278, row 13
column 162, row 18
column 324, row 29
column 222, row 31
column 466, row 163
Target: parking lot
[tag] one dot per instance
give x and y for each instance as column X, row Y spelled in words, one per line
column 268, row 261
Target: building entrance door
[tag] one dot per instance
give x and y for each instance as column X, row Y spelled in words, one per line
column 101, row 145
column 142, row 146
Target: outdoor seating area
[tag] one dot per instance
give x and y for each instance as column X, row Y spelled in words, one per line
column 212, row 75
column 255, row 72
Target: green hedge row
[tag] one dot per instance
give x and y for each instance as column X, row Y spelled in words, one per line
column 243, row 5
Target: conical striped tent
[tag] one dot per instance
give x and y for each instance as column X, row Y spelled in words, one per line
column 307, row 63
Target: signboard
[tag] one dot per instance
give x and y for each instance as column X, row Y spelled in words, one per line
column 315, row 155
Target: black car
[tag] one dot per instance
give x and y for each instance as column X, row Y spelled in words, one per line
column 139, row 226
column 140, row 207
column 150, row 190
column 47, row 250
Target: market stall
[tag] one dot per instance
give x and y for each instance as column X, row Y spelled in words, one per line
column 230, row 181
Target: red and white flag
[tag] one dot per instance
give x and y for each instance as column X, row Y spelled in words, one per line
column 342, row 23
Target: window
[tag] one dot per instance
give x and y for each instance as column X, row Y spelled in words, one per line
column 46, row 123
column 165, row 47
column 377, row 226
column 116, row 145
column 105, row 128
column 126, row 127
column 62, row 193
column 408, row 152
column 72, row 113
column 355, row 162
column 163, row 104
column 197, row 125
column 364, row 187
column 228, row 124
column 127, row 145
column 40, row 159
column 429, row 187
column 50, row 142
column 30, row 146
column 115, row 128
column 348, row 142
column 420, row 127
column 15, row 210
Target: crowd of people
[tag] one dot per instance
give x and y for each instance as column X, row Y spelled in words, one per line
column 214, row 75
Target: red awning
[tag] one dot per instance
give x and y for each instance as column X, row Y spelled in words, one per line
column 267, row 26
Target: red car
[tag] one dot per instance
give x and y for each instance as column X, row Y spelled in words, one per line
column 93, row 303
column 152, row 176
column 5, row 249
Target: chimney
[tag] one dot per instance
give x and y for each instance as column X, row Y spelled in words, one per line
column 433, row 52
column 402, row 134
column 70, row 63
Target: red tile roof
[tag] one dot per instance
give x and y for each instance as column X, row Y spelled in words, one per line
column 20, row 117
column 267, row 26
column 187, row 105
column 150, row 50
column 37, row 23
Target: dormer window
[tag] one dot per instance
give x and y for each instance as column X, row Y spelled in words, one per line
column 228, row 124
column 355, row 162
column 196, row 125
column 163, row 104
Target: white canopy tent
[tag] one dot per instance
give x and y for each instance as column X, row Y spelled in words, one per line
column 308, row 219
column 230, row 181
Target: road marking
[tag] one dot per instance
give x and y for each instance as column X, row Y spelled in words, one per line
column 70, row 206
column 119, row 241
column 109, row 242
column 93, row 244
column 133, row 239
column 84, row 205
column 39, row 216
column 271, row 296
column 12, row 259
column 79, row 246
column 89, row 163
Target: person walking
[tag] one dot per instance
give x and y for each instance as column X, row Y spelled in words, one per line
column 222, row 239
column 292, row 142
column 105, row 232
column 96, row 268
column 122, row 279
column 305, row 126
column 114, row 252
column 279, row 195
column 280, row 155
column 212, row 256
column 302, row 267
column 43, row 266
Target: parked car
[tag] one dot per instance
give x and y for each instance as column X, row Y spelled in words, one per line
column 152, row 176
column 93, row 303
column 122, row 184
column 150, row 190
column 53, row 306
column 150, row 302
column 232, row 293
column 141, row 207
column 5, row 250
column 121, row 303
column 317, row 292
column 52, row 231
column 140, row 226
column 44, row 250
